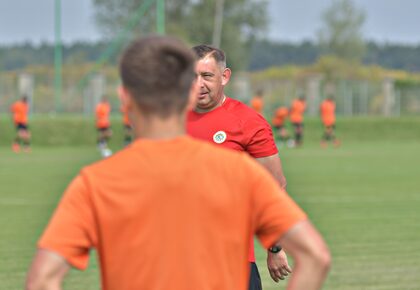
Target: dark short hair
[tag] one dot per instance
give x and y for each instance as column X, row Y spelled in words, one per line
column 158, row 72
column 204, row 50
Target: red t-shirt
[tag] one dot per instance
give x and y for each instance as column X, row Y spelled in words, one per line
column 236, row 126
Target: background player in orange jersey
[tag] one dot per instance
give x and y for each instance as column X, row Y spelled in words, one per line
column 128, row 131
column 165, row 212
column 297, row 109
column 103, row 125
column 20, row 110
column 229, row 123
column 279, row 124
column 257, row 102
column 327, row 110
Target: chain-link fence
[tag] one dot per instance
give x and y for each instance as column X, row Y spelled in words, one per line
column 353, row 97
column 76, row 97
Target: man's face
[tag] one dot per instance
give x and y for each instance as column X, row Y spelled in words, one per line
column 211, row 79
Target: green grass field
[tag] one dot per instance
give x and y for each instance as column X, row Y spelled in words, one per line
column 364, row 197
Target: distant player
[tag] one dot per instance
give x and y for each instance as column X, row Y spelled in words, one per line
column 279, row 124
column 20, row 110
column 297, row 110
column 257, row 102
column 327, row 110
column 103, row 125
column 128, row 131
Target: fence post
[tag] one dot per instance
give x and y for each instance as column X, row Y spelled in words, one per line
column 26, row 88
column 389, row 96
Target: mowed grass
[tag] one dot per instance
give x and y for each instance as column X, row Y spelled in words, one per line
column 364, row 197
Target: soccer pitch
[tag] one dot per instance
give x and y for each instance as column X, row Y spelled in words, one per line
column 364, row 197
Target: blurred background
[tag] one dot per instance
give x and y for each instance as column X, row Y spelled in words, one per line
column 63, row 55
column 363, row 196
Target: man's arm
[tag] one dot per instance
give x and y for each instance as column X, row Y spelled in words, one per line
column 311, row 256
column 277, row 263
column 47, row 271
column 273, row 165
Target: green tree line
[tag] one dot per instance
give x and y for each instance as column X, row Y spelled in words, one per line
column 264, row 54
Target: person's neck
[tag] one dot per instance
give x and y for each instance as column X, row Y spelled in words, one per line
column 206, row 110
column 157, row 128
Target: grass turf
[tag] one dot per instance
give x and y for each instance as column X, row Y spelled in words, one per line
column 364, row 197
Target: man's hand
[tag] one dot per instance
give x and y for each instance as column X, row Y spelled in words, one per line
column 278, row 265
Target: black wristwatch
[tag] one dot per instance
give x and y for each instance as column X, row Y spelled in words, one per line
column 275, row 249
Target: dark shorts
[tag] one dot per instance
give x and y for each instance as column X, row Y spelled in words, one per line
column 279, row 127
column 330, row 127
column 21, row 126
column 254, row 278
column 127, row 127
column 103, row 129
column 297, row 125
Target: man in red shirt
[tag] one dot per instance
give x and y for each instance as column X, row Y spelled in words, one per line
column 165, row 213
column 20, row 110
column 231, row 124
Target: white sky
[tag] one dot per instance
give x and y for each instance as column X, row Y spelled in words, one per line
column 387, row 20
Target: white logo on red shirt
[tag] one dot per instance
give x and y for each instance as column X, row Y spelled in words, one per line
column 219, row 137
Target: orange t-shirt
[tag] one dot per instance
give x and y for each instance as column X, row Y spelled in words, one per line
column 280, row 116
column 126, row 120
column 102, row 115
column 327, row 109
column 170, row 214
column 257, row 104
column 20, row 112
column 296, row 111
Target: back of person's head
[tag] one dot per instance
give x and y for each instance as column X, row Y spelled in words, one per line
column 24, row 99
column 204, row 50
column 158, row 72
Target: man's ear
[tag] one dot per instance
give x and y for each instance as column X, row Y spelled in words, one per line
column 125, row 97
column 226, row 76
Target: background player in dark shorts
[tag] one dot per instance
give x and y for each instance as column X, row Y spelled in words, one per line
column 20, row 110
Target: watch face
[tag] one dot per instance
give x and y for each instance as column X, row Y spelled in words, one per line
column 274, row 249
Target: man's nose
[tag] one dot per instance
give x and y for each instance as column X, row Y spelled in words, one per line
column 200, row 81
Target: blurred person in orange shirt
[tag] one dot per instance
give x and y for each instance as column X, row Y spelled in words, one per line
column 20, row 111
column 165, row 212
column 297, row 111
column 327, row 110
column 279, row 124
column 103, row 125
column 257, row 102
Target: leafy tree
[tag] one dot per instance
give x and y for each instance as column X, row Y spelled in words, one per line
column 341, row 34
column 192, row 21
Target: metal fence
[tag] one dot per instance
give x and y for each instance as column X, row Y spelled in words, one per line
column 353, row 97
